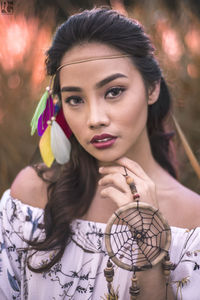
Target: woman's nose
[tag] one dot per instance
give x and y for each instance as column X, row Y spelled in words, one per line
column 97, row 116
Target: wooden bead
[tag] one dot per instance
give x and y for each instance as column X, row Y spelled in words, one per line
column 109, row 272
column 131, row 183
column 134, row 290
column 166, row 273
column 130, row 180
column 167, row 266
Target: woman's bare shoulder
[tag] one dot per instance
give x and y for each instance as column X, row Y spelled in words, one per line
column 29, row 188
column 183, row 207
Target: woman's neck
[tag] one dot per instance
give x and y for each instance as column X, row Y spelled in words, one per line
column 141, row 153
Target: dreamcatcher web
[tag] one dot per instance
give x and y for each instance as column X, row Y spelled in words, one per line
column 137, row 237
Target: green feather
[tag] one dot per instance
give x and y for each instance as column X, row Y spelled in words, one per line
column 39, row 110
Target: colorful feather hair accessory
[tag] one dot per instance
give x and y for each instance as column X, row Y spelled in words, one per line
column 51, row 125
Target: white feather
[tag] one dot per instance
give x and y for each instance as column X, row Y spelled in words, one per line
column 60, row 144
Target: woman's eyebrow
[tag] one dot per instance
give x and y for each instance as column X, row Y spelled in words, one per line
column 109, row 79
column 71, row 89
column 97, row 86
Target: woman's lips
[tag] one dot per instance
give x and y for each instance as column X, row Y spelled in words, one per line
column 103, row 141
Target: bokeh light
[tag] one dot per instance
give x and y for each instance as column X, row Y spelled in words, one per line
column 24, row 44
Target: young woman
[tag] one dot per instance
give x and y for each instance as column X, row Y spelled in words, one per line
column 52, row 221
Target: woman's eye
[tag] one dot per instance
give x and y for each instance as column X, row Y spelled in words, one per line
column 114, row 92
column 74, row 100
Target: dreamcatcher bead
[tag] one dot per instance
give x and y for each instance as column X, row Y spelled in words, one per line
column 49, row 122
column 134, row 290
column 136, row 196
column 129, row 180
column 167, row 266
column 131, row 183
column 109, row 271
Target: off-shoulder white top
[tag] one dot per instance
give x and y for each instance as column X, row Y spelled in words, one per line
column 79, row 274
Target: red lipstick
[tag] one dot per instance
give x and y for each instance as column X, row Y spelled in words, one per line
column 103, row 141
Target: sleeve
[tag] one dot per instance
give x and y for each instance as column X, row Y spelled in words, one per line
column 18, row 223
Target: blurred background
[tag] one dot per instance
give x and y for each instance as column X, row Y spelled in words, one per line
column 26, row 29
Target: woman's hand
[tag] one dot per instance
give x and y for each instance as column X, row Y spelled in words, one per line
column 116, row 187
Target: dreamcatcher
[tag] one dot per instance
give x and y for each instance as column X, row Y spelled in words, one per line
column 137, row 237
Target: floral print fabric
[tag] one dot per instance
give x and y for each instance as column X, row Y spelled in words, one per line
column 79, row 274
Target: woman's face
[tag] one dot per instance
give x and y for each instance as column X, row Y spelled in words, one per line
column 104, row 102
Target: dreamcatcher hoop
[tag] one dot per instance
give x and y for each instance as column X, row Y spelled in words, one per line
column 137, row 237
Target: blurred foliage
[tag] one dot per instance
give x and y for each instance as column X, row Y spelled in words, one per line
column 174, row 27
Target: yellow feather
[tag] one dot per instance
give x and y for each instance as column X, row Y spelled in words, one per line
column 45, row 147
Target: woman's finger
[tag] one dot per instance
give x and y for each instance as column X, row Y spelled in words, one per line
column 112, row 170
column 116, row 179
column 119, row 171
column 116, row 196
column 133, row 167
column 125, row 166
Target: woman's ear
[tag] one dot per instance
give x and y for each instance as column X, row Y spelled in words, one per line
column 153, row 93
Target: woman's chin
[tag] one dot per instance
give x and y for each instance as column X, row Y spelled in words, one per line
column 108, row 160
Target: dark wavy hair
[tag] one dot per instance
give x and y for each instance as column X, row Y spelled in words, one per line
column 70, row 196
